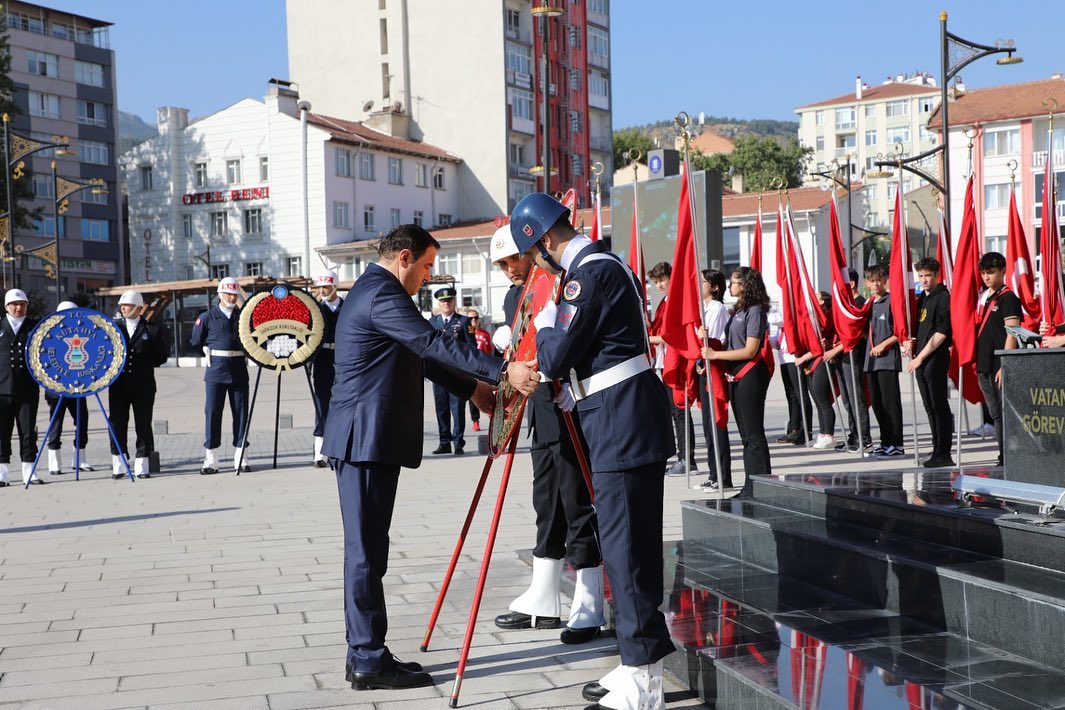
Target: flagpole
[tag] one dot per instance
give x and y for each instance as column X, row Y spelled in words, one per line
column 786, row 243
column 904, row 254
column 682, row 122
column 854, row 378
column 634, row 156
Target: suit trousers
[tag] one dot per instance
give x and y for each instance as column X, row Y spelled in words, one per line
column 119, row 402
column 367, row 499
column 824, row 397
column 238, row 408
column 629, row 505
column 887, row 406
column 747, row 397
column 803, row 414
column 322, row 376
column 932, row 384
column 565, row 520
column 75, row 407
column 450, row 409
column 20, row 412
column 846, row 384
column 722, row 439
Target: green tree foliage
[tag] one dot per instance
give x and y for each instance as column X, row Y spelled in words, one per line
column 760, row 161
column 628, row 138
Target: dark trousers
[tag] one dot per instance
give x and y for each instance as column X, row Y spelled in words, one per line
column 803, row 413
column 75, row 407
column 824, row 397
column 367, row 498
column 20, row 412
column 722, row 439
column 682, row 417
column 119, row 402
column 322, row 376
column 847, row 384
column 566, row 526
column 747, row 398
column 993, row 401
column 450, row 409
column 475, row 414
column 238, row 408
column 932, row 384
column 887, row 406
column 629, row 505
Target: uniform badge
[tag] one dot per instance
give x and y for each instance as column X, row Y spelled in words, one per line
column 281, row 328
column 566, row 312
column 920, row 317
column 528, row 230
column 571, row 290
column 76, row 353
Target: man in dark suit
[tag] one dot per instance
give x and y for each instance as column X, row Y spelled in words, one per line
column 147, row 348
column 597, row 339
column 384, row 349
column 322, row 370
column 450, row 409
column 19, row 393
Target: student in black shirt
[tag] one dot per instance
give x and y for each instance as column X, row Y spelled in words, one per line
column 883, row 363
column 930, row 353
column 998, row 308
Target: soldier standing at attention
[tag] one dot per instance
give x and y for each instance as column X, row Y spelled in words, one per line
column 19, row 393
column 78, row 409
column 147, row 348
column 322, row 369
column 450, row 408
column 226, row 374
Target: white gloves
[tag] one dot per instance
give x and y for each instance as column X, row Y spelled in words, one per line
column 546, row 317
column 564, row 399
column 501, row 338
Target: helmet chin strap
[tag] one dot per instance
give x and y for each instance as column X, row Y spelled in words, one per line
column 547, row 257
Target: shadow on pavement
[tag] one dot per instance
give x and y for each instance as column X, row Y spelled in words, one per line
column 108, row 521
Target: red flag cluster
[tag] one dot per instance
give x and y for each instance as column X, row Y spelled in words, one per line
column 804, row 320
column 849, row 318
column 900, row 277
column 965, row 285
column 1019, row 276
column 1052, row 299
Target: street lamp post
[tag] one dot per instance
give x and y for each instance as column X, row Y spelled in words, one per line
column 543, row 12
column 62, row 189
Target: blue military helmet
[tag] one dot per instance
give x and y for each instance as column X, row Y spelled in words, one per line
column 536, row 213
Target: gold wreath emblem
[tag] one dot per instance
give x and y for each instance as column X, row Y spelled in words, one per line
column 256, row 340
column 36, row 350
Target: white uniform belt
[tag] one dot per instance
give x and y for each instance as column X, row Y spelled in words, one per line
column 227, row 353
column 329, row 346
column 608, row 377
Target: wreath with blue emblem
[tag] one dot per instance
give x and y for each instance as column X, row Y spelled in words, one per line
column 75, row 353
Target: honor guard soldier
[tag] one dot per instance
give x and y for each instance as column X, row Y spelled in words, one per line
column 216, row 332
column 450, row 409
column 597, row 339
column 19, row 393
column 322, row 369
column 147, row 348
column 565, row 520
column 78, row 409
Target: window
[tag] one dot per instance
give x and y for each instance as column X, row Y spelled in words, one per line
column 219, row 271
column 264, row 169
column 598, row 84
column 898, row 135
column 27, row 23
column 448, row 264
column 925, row 135
column 513, row 22
column 233, row 171
column 395, row 171
column 366, row 166
column 253, row 268
column 42, row 185
column 574, row 37
column 219, row 224
column 471, row 297
column 576, row 121
column 926, row 104
column 45, row 227
column 845, row 141
column 395, row 215
column 94, row 152
column 368, row 218
column 518, row 58
column 820, row 143
column 186, row 226
column 996, row 197
column 146, row 177
column 44, row 105
column 1002, row 143
column 517, row 154
column 870, row 110
column 870, row 137
column 88, row 73
column 253, row 221
column 421, row 174
column 445, row 220
column 577, row 165
column 892, row 189
column 341, row 214
column 343, row 162
column 871, row 190
column 294, row 266
column 574, row 80
column 471, row 264
column 61, row 30
column 819, row 118
column 189, row 271
column 199, row 172
column 898, row 108
column 91, row 197
column 42, row 64
column 844, row 119
column 598, row 6
column 521, row 103
column 598, row 47
column 419, row 218
column 384, row 35
column 519, row 189
column 94, row 230
column 386, row 81
column 438, row 178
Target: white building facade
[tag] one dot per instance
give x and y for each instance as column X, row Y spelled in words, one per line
column 250, row 190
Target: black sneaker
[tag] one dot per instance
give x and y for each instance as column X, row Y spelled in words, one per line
column 709, row 485
column 442, row 449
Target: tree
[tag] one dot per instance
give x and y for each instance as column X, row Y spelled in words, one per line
column 761, row 161
column 627, row 139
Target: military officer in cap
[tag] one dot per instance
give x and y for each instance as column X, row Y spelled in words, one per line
column 322, row 369
column 19, row 393
column 216, row 332
column 565, row 520
column 147, row 348
column 597, row 339
column 78, row 409
column 450, row 409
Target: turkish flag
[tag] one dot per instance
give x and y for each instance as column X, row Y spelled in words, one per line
column 790, row 326
column 964, row 285
column 1019, row 276
column 756, row 244
column 636, row 262
column 1052, row 299
column 850, row 319
column 811, row 319
column 900, row 277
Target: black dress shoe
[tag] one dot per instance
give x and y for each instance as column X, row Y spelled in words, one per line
column 144, row 475
column 391, row 679
column 412, row 666
column 117, row 476
column 517, row 620
column 442, row 449
column 55, row 473
column 594, row 691
column 321, row 463
column 208, row 470
column 460, row 450
column 578, row 635
column 245, row 468
column 4, row 484
column 939, row 462
column 38, row 481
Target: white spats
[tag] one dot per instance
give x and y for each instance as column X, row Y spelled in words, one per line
column 587, row 608
column 542, row 596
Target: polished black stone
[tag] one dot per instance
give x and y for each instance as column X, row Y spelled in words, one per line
column 1033, row 416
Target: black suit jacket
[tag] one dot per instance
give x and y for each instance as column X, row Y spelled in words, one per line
column 146, row 349
column 384, row 348
column 15, row 378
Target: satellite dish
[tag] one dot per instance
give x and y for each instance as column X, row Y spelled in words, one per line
column 367, row 106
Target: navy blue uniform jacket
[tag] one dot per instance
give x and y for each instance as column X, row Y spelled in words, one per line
column 384, row 349
column 217, row 332
column 599, row 325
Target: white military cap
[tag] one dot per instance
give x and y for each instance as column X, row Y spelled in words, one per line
column 502, row 244
column 229, row 285
column 132, row 298
column 15, row 295
column 329, row 278
column 66, row 306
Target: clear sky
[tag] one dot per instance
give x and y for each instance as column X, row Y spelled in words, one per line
column 742, row 59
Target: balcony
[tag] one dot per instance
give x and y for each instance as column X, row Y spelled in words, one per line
column 1039, row 158
column 598, row 60
column 599, row 101
column 519, row 170
column 600, row 143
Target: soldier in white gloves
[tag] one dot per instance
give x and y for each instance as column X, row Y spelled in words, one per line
column 19, row 393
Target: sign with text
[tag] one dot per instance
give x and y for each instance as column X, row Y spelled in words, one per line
column 1033, row 415
column 214, row 197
